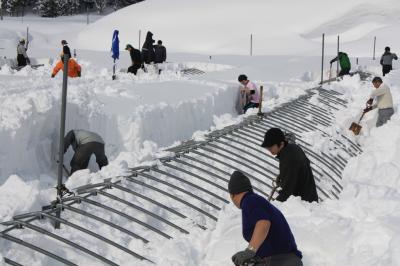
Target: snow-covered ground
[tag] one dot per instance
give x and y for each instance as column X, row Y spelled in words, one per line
column 137, row 116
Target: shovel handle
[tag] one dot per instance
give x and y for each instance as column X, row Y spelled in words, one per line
column 361, row 117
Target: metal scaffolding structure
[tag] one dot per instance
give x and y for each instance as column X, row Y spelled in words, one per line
column 185, row 191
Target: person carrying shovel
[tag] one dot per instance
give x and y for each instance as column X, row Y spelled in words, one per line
column 384, row 101
column 295, row 173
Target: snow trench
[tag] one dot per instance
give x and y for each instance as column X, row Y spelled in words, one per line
column 126, row 220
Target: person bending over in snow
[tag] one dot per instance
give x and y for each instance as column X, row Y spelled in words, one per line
column 295, row 174
column 387, row 61
column 264, row 227
column 22, row 57
column 74, row 69
column 136, row 59
column 252, row 92
column 85, row 143
column 344, row 62
column 384, row 101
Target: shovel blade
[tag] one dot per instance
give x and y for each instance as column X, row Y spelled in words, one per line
column 356, row 128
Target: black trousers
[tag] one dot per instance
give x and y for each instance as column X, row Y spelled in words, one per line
column 82, row 156
column 386, row 69
column 133, row 69
column 21, row 60
column 344, row 71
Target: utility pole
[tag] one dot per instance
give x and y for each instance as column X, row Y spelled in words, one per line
column 251, row 44
column 323, row 55
column 373, row 57
column 337, row 62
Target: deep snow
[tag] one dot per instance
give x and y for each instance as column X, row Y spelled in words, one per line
column 138, row 116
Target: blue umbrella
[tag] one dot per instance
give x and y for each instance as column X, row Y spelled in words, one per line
column 115, row 45
column 115, row 50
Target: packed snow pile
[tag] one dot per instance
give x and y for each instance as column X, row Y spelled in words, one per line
column 224, row 27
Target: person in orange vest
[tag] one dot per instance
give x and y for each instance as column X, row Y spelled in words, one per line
column 74, row 69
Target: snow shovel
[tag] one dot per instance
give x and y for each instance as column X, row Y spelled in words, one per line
column 330, row 74
column 355, row 127
column 275, row 186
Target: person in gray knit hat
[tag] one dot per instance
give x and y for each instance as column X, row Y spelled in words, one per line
column 271, row 242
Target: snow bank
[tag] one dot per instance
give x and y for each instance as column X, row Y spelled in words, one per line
column 197, row 27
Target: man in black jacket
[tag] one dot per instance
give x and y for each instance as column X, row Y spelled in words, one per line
column 160, row 53
column 135, row 57
column 148, row 49
column 295, row 176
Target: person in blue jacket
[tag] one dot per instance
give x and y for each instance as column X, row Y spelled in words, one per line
column 264, row 227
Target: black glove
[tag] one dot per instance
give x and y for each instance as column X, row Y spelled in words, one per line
column 369, row 108
column 79, row 74
column 332, row 61
column 370, row 101
column 242, row 256
column 52, row 75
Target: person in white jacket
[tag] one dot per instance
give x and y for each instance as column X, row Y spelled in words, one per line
column 384, row 101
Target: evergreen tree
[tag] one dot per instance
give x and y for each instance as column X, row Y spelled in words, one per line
column 124, row 3
column 47, row 8
column 100, row 5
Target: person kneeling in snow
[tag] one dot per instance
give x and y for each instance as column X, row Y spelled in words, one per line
column 251, row 91
column 295, row 174
column 384, row 101
column 74, row 69
column 85, row 143
column 271, row 241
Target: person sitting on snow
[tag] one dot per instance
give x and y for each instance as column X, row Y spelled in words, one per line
column 74, row 69
column 252, row 92
column 264, row 227
column 384, row 101
column 85, row 143
column 22, row 57
column 136, row 59
column 344, row 62
column 295, row 173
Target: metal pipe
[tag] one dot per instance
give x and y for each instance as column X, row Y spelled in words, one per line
column 66, row 241
column 7, row 260
column 337, row 62
column 91, row 233
column 373, row 56
column 322, row 58
column 130, row 179
column 62, row 133
column 36, row 248
column 230, row 166
column 134, row 206
column 180, row 189
column 99, row 219
column 196, row 176
column 190, row 184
